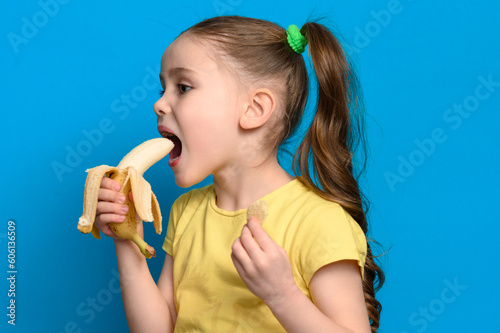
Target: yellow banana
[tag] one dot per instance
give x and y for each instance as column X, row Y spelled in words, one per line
column 129, row 173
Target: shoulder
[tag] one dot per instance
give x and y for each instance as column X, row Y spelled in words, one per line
column 189, row 202
column 320, row 216
column 323, row 232
column 325, row 218
column 193, row 197
column 311, row 205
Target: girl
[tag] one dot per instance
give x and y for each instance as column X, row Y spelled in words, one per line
column 235, row 89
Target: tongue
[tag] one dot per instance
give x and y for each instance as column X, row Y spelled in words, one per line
column 176, row 151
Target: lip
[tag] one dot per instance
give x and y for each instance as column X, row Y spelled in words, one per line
column 172, row 163
column 164, row 129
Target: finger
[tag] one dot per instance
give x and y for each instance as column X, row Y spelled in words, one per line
column 110, row 195
column 251, row 246
column 110, row 184
column 240, row 253
column 108, row 232
column 102, row 223
column 237, row 265
column 265, row 242
column 103, row 220
column 244, row 269
column 104, row 207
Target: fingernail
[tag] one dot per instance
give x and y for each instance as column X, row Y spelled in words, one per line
column 124, row 208
column 120, row 218
column 117, row 187
column 121, row 198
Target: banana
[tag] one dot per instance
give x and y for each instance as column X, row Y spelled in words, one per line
column 258, row 210
column 129, row 173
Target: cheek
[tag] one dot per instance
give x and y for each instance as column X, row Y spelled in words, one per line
column 209, row 122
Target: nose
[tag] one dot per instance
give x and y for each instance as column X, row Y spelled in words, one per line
column 162, row 107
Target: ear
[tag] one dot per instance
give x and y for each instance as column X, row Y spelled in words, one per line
column 259, row 109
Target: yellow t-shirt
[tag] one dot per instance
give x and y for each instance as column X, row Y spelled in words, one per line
column 209, row 294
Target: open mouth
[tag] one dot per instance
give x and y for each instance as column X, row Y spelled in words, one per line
column 176, row 152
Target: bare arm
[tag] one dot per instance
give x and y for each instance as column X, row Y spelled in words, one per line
column 145, row 306
column 166, row 285
column 339, row 304
column 336, row 288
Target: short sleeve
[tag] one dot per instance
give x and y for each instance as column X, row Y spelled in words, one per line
column 175, row 213
column 329, row 236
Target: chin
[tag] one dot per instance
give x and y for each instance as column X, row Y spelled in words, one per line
column 186, row 181
column 182, row 183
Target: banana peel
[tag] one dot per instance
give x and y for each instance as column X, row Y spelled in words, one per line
column 129, row 173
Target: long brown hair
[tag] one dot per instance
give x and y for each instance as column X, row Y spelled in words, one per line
column 324, row 159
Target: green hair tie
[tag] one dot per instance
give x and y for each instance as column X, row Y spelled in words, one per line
column 295, row 39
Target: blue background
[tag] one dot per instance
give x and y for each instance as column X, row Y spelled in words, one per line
column 433, row 196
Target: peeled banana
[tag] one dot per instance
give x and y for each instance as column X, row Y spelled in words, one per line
column 129, row 173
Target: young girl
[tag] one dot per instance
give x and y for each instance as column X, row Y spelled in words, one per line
column 235, row 89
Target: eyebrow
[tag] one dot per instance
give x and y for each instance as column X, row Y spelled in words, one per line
column 176, row 71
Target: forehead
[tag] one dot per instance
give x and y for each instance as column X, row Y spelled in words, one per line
column 190, row 54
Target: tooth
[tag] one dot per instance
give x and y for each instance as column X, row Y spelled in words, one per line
column 129, row 173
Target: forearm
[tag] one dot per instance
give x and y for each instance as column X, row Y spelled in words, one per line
column 297, row 313
column 145, row 307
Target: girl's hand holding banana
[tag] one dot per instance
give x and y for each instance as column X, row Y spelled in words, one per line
column 101, row 199
column 111, row 206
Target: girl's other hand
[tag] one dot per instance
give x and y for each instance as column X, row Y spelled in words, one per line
column 262, row 264
column 111, row 207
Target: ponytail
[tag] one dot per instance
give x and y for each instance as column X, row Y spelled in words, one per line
column 332, row 140
column 262, row 54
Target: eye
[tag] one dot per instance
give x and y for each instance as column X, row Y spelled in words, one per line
column 161, row 92
column 183, row 88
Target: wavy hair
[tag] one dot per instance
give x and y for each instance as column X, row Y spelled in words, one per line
column 324, row 160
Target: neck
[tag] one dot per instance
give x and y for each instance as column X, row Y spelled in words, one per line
column 239, row 185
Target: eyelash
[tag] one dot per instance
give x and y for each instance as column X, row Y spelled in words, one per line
column 179, row 86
